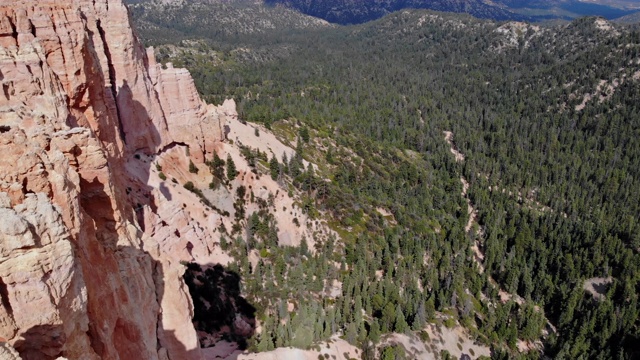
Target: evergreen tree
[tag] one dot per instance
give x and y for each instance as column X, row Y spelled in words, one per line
column 374, row 332
column 231, row 168
column 266, row 342
column 304, row 134
column 400, row 323
column 352, row 333
column 274, row 168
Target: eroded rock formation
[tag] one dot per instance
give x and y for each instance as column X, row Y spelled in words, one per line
column 96, row 142
column 90, row 250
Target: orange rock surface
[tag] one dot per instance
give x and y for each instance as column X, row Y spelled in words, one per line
column 89, row 256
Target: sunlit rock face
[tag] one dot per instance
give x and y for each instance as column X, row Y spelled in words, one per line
column 90, row 243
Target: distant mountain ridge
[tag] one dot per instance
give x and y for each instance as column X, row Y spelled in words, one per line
column 630, row 19
column 254, row 16
column 356, row 11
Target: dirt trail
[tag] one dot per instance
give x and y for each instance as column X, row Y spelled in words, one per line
column 473, row 213
column 473, row 219
column 479, row 256
column 448, row 137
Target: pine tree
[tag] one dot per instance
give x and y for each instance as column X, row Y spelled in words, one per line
column 374, row 331
column 304, row 134
column 400, row 324
column 388, row 318
column 282, row 337
column 352, row 333
column 217, row 166
column 266, row 342
column 285, row 163
column 274, row 167
column 231, row 168
column 420, row 319
column 304, row 247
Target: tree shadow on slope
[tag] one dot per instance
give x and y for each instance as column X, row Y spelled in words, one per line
column 220, row 312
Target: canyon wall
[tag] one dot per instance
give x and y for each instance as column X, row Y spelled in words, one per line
column 90, row 238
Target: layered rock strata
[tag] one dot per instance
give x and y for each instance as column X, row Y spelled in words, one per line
column 89, row 252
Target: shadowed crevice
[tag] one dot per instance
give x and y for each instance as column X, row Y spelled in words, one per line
column 220, row 312
column 4, row 298
column 112, row 79
column 41, row 342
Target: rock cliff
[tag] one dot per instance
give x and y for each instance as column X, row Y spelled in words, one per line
column 91, row 239
column 97, row 140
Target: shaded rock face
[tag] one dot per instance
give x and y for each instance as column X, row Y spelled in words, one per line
column 220, row 313
column 87, row 267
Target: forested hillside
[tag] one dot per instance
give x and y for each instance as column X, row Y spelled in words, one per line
column 548, row 123
column 169, row 21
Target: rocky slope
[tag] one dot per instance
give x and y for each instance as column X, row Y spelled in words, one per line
column 91, row 237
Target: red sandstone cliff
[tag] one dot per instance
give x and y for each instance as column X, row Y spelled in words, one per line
column 89, row 239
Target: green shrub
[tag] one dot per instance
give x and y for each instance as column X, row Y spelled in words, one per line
column 192, row 167
column 424, row 336
column 450, row 323
column 189, row 186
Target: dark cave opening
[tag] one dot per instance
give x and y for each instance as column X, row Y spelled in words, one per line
column 220, row 312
